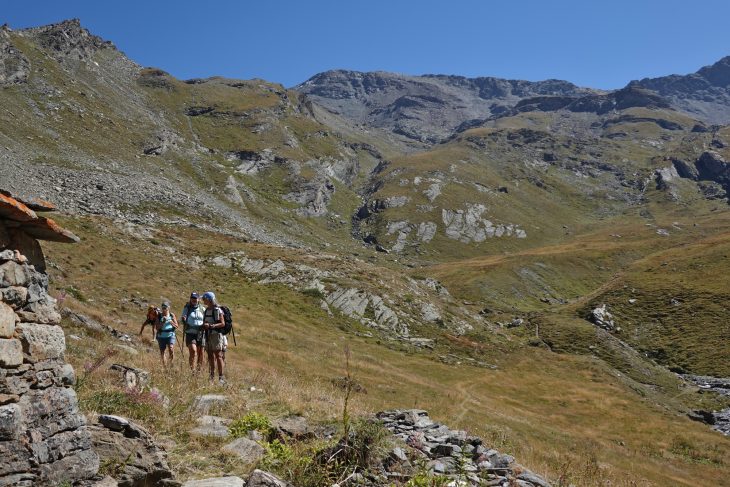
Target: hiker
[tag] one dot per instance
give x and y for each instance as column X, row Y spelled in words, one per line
column 166, row 326
column 153, row 312
column 192, row 319
column 213, row 321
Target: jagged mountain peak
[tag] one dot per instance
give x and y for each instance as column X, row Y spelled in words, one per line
column 67, row 40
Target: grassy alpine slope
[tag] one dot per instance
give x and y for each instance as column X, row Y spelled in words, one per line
column 571, row 417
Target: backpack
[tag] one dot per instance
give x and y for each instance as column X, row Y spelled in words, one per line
column 227, row 320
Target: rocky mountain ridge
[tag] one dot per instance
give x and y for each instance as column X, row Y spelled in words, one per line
column 426, row 108
column 704, row 94
column 429, row 108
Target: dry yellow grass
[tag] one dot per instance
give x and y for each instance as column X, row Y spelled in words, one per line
column 566, row 417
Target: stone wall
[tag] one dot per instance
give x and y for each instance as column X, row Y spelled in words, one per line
column 43, row 436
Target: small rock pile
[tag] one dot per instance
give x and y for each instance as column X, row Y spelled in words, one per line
column 453, row 453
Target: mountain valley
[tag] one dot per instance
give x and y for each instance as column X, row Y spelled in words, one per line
column 542, row 265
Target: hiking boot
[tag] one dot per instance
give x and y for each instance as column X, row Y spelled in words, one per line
column 221, row 381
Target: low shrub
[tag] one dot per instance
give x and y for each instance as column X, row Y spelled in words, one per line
column 250, row 422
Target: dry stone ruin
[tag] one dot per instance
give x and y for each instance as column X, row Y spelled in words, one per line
column 43, row 436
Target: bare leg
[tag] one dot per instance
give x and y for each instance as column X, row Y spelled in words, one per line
column 219, row 361
column 162, row 356
column 211, row 364
column 192, row 351
column 200, row 358
column 171, row 348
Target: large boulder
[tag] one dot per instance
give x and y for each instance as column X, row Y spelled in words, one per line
column 131, row 450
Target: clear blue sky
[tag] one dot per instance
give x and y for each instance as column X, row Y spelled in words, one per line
column 602, row 44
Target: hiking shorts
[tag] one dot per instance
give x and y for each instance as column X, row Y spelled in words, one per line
column 165, row 342
column 196, row 338
column 214, row 341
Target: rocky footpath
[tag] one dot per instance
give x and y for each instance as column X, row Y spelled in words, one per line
column 451, row 453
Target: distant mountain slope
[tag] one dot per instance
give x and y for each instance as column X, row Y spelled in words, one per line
column 423, row 108
column 704, row 94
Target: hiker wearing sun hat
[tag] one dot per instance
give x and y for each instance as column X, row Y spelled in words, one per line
column 192, row 318
column 166, row 326
column 213, row 324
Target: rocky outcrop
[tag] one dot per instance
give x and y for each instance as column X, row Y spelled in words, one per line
column 600, row 316
column 313, row 196
column 44, row 439
column 468, row 225
column 718, row 420
column 131, row 451
column 600, row 104
column 14, row 66
column 452, row 453
column 369, row 308
column 67, row 40
column 711, row 167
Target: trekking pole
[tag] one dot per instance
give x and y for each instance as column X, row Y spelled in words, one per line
column 233, row 331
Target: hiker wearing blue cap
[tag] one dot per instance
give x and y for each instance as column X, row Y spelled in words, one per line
column 213, row 324
column 192, row 317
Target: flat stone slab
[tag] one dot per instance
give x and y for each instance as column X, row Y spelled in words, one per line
column 212, row 426
column 215, row 482
column 203, row 404
column 247, row 450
